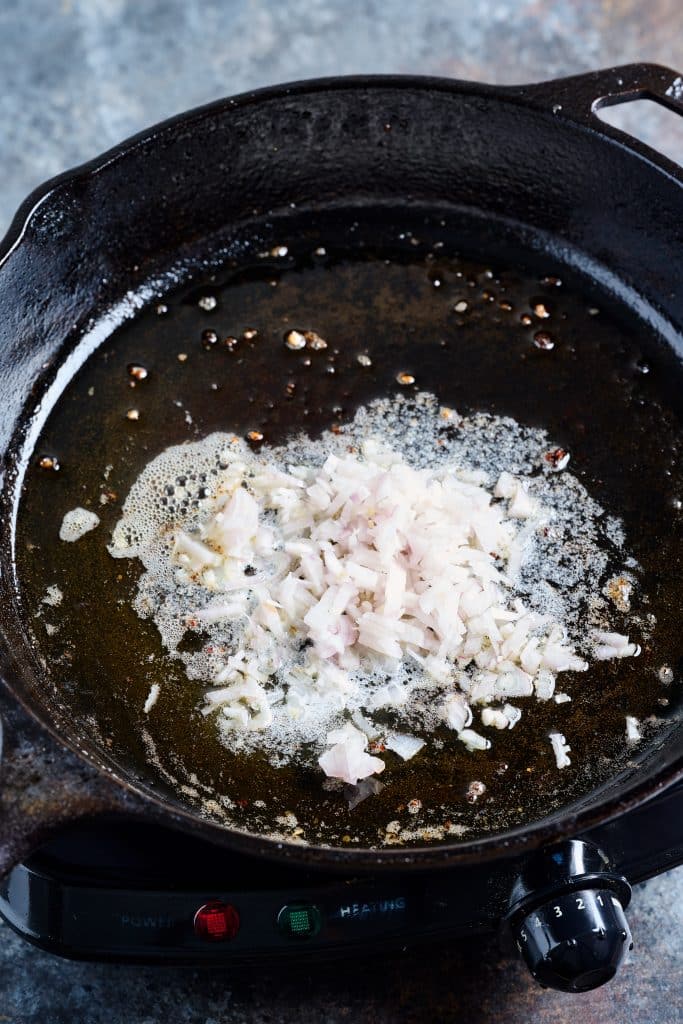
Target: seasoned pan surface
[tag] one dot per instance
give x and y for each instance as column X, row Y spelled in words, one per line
column 383, row 282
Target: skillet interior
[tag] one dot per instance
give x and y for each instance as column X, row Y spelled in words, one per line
column 603, row 393
column 194, row 183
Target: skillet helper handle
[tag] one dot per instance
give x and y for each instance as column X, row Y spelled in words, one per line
column 44, row 786
column 580, row 96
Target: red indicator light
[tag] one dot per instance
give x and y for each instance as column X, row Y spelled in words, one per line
column 216, row 922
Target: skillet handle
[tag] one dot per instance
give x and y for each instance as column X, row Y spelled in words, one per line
column 580, row 96
column 44, row 786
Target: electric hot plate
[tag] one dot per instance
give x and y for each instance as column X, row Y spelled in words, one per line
column 123, row 891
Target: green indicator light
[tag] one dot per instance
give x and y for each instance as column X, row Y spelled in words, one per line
column 299, row 920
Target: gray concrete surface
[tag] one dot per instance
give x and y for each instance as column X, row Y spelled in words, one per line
column 76, row 76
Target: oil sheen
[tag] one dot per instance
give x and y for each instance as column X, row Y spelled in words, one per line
column 410, row 313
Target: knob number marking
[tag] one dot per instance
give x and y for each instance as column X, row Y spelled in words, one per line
column 536, row 921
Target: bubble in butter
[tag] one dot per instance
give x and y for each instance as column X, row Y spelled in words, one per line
column 77, row 523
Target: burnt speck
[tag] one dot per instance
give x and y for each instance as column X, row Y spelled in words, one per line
column 474, row 791
column 295, row 340
column 137, row 371
column 557, row 458
column 314, row 341
column 543, row 341
column 405, row 379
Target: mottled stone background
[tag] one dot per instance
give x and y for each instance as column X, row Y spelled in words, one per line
column 76, row 76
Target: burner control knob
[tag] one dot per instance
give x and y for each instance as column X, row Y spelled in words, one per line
column 575, row 941
column 567, row 919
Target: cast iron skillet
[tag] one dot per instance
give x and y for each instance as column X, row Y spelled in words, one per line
column 532, row 164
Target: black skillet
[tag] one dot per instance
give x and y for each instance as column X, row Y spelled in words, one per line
column 528, row 173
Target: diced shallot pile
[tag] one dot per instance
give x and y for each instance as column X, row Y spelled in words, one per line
column 357, row 589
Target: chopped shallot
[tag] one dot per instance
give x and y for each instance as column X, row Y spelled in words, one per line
column 327, row 581
column 473, row 740
column 346, row 759
column 614, row 645
column 560, row 749
column 633, row 734
column 152, row 698
column 405, row 746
